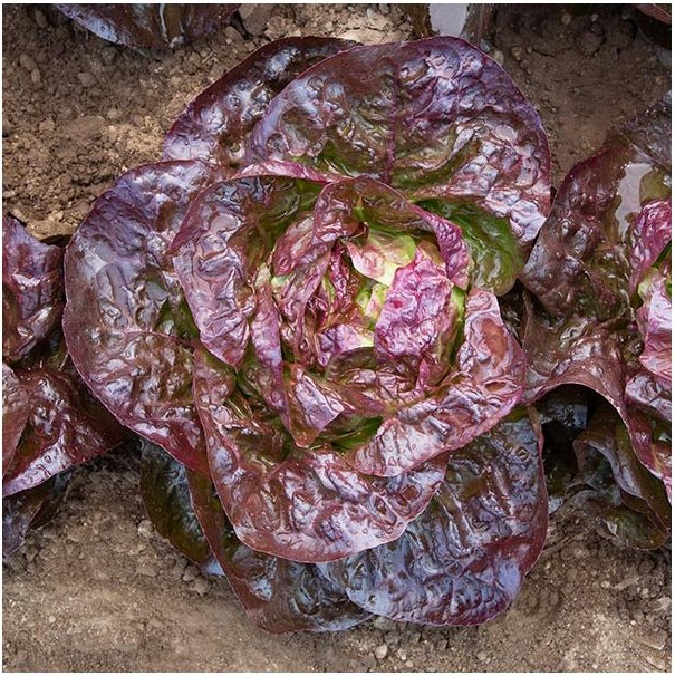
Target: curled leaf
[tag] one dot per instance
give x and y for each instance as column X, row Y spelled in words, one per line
column 150, row 25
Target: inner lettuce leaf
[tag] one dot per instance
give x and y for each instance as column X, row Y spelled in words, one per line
column 32, row 289
column 462, row 561
column 126, row 322
column 433, row 118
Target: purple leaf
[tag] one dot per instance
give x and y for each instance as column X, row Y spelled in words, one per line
column 16, row 409
column 300, row 504
column 582, row 259
column 608, row 436
column 168, row 503
column 30, row 509
column 462, row 561
column 150, row 25
column 485, row 382
column 649, row 235
column 278, row 595
column 216, row 125
column 657, row 356
column 126, row 321
column 32, row 289
column 62, row 430
column 434, row 118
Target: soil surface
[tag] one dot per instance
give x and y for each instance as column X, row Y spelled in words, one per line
column 98, row 589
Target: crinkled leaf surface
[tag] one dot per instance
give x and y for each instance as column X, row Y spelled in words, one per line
column 216, row 125
column 32, row 289
column 30, row 508
column 136, row 24
column 657, row 356
column 16, row 407
column 496, row 253
column 166, row 495
column 278, row 595
column 300, row 504
column 463, row 560
column 63, row 430
column 485, row 383
column 582, row 260
column 649, row 235
column 127, row 324
column 435, row 118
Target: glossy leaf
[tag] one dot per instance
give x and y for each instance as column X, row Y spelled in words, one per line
column 657, row 356
column 608, row 436
column 216, row 125
column 126, row 321
column 166, row 495
column 29, row 509
column 150, row 25
column 434, row 118
column 304, row 505
column 496, row 253
column 61, row 432
column 16, row 407
column 649, row 236
column 278, row 595
column 582, row 260
column 32, row 289
column 463, row 560
column 485, row 383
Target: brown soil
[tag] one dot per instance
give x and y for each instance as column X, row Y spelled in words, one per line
column 98, row 590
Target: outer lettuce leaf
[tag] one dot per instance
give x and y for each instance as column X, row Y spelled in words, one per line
column 63, row 429
column 30, row 509
column 16, row 408
column 582, row 260
column 150, row 24
column 462, row 561
column 216, row 125
column 278, row 595
column 649, row 235
column 304, row 505
column 126, row 322
column 168, row 503
column 32, row 289
column 435, row 118
column 608, row 436
column 657, row 356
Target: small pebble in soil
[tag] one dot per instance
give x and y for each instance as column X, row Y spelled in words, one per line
column 27, row 62
column 41, row 19
column 565, row 18
column 381, row 651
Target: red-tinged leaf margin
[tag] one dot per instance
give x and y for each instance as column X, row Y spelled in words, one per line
column 422, row 100
column 299, row 505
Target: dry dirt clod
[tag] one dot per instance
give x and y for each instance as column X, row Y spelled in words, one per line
column 254, row 17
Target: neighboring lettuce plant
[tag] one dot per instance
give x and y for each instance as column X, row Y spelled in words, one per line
column 299, row 306
column 150, row 25
column 50, row 422
column 601, row 272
